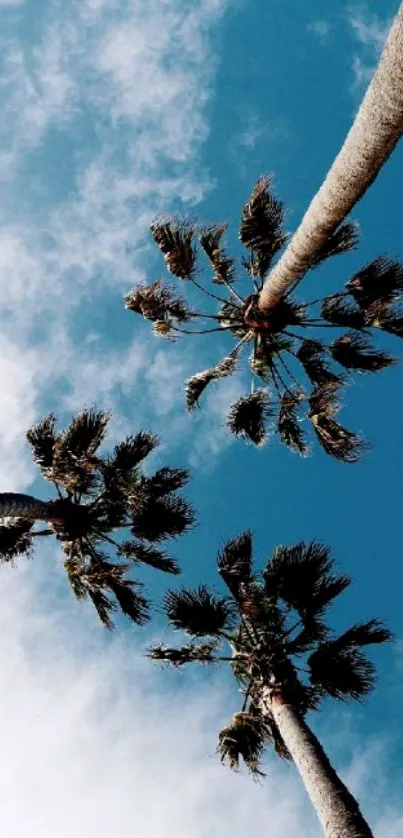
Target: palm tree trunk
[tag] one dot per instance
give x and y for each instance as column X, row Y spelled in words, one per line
column 337, row 810
column 14, row 505
column 374, row 134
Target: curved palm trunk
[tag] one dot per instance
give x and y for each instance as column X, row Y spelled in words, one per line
column 371, row 139
column 14, row 505
column 337, row 810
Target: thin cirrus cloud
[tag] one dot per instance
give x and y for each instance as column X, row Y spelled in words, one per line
column 369, row 30
column 95, row 740
column 118, row 92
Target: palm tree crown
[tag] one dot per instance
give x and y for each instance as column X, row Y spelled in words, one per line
column 103, row 502
column 275, row 627
column 299, row 375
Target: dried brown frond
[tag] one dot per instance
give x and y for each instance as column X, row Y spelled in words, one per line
column 336, row 440
column 222, row 264
column 158, row 303
column 196, row 385
column 261, row 228
column 175, row 240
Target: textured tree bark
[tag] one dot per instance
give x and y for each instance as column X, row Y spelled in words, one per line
column 374, row 134
column 337, row 809
column 14, row 505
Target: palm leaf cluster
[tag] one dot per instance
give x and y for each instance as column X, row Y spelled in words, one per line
column 104, row 503
column 292, row 369
column 272, row 628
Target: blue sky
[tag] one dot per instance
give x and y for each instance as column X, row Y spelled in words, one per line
column 114, row 111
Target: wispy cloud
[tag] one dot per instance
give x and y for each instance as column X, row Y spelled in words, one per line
column 370, row 31
column 320, row 28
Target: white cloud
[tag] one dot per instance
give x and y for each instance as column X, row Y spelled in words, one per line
column 320, row 28
column 370, row 31
column 97, row 741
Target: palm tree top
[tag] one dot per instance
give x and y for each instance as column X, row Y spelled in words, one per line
column 296, row 370
column 103, row 504
column 273, row 629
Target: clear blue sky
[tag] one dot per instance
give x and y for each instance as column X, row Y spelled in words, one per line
column 112, row 112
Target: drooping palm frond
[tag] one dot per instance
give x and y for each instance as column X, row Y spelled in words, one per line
column 261, row 228
column 127, row 455
column 200, row 652
column 198, row 612
column 15, row 540
column 266, row 352
column 312, row 355
column 140, row 553
column 222, row 264
column 235, row 562
column 244, row 738
column 100, row 579
column 248, row 417
column 42, row 439
column 342, row 674
column 342, row 240
column 354, row 352
column 196, row 385
column 175, row 240
column 380, row 280
column 336, row 440
column 160, row 518
column 288, row 426
column 158, row 302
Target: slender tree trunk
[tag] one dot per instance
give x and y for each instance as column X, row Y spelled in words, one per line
column 373, row 136
column 14, row 505
column 337, row 810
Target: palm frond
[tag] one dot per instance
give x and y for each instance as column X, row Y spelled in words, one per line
column 198, row 612
column 175, row 240
column 200, row 652
column 161, row 518
column 222, row 264
column 312, row 355
column 337, row 441
column 341, row 673
column 385, row 316
column 288, row 426
column 196, row 385
column 158, row 302
column 145, row 554
column 354, row 352
column 364, row 634
column 164, row 481
column 74, row 461
column 341, row 312
column 235, row 562
column 342, row 240
column 263, row 358
column 127, row 455
column 302, row 576
column 261, row 228
column 15, row 540
column 245, row 738
column 98, row 580
column 248, row 417
column 42, row 439
column 380, row 280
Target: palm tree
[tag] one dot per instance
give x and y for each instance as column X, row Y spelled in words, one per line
column 103, row 502
column 289, row 342
column 374, row 134
column 285, row 659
